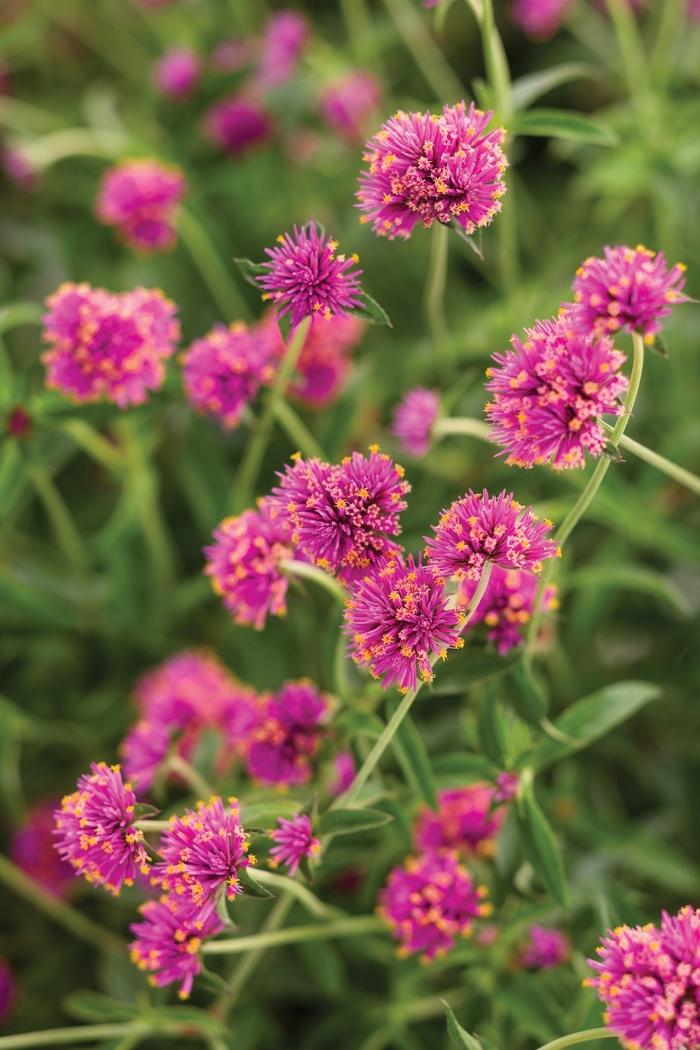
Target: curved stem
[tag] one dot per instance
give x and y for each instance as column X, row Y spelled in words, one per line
column 353, row 926
column 93, row 443
column 304, row 571
column 462, row 425
column 297, row 430
column 579, row 1037
column 666, row 466
column 143, row 480
column 478, row 594
column 217, row 278
column 194, row 779
column 295, row 889
column 20, row 314
column 434, row 300
column 64, row 528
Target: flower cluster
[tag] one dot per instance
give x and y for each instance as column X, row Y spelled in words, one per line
column 414, row 420
column 324, row 362
column 294, row 840
column 507, row 605
column 237, row 123
column 168, row 939
column 288, row 735
column 467, row 821
column 140, row 198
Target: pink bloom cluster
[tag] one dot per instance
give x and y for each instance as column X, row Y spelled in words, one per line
column 506, row 606
column 348, row 104
column 177, row 72
column 168, row 941
column 414, row 420
column 105, row 346
column 466, row 821
column 140, row 198
column 545, row 948
column 294, row 840
column 32, row 850
column 539, row 18
column 288, row 735
column 237, row 123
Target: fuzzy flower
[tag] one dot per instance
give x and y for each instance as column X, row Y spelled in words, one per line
column 31, row 849
column 649, row 980
column 177, row 72
column 324, row 362
column 480, row 528
column 414, row 420
column 140, row 198
column 294, row 840
column 430, row 901
column 95, row 830
column 399, row 622
column 465, row 821
column 342, row 515
column 427, row 168
column 545, row 948
column 289, row 735
column 8, row 990
column 344, row 769
column 236, row 124
column 548, row 395
column 244, row 564
column 168, row 940
column 540, row 19
column 108, row 347
column 629, row 288
column 506, row 606
column 306, row 277
column 346, row 105
column 284, row 37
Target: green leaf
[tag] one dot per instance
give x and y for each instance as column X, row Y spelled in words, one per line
column 563, row 124
column 461, row 767
column 251, row 271
column 492, row 729
column 526, row 90
column 95, row 1006
column 531, row 700
column 637, row 578
column 591, row 718
column 350, row 821
column 252, row 888
column 540, row 845
column 475, row 244
column 413, row 758
column 370, row 311
column 458, row 1036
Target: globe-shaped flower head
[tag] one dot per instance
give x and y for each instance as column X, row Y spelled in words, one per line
column 177, row 72
column 545, row 948
column 168, row 939
column 506, row 606
column 294, row 840
column 236, row 124
column 288, row 736
column 465, row 821
column 140, row 198
column 414, row 419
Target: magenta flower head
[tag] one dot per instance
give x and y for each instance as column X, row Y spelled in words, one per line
column 244, row 563
column 306, row 277
column 18, row 167
column 549, row 392
column 95, row 829
column 507, row 785
column 8, row 990
column 649, row 980
column 428, row 168
column 480, row 528
column 545, row 948
column 294, row 840
column 506, row 607
column 414, row 420
column 236, row 124
column 348, row 104
column 177, row 72
column 399, row 622
column 32, row 850
column 324, row 362
column 289, row 735
column 168, row 940
column 140, row 198
column 540, row 19
column 465, row 821
column 344, row 769
column 105, row 347
column 430, row 901
column 630, row 288
column 284, row 37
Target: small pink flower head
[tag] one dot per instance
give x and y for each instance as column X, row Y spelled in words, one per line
column 324, row 362
column 344, row 769
column 414, row 420
column 506, row 787
column 430, row 901
column 177, row 72
column 398, row 622
column 244, row 564
column 8, row 990
column 506, row 607
column 223, row 371
column 545, row 948
column 141, row 198
column 236, row 124
column 630, row 288
column 294, row 840
column 105, row 347
column 480, row 528
column 285, row 35
column 32, row 850
column 694, row 10
column 95, row 829
column 649, row 980
column 18, row 423
column 168, row 940
column 231, row 55
column 348, row 104
column 540, row 19
column 465, row 821
column 342, row 515
column 548, row 394
column 306, row 277
column 18, row 168
column 288, row 736
column 427, row 168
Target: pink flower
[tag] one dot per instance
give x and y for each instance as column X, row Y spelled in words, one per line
column 347, row 104
column 694, row 10
column 480, row 528
column 289, row 735
column 506, row 606
column 306, row 277
column 177, row 72
column 344, row 769
column 414, row 420
column 108, row 347
column 141, row 198
column 506, row 786
column 539, row 18
column 95, row 829
column 465, row 821
column 18, row 168
column 427, row 168
column 236, row 124
column 294, row 840
column 324, row 364
column 430, row 901
column 545, row 948
column 8, row 990
column 168, row 941
column 32, row 850
column 284, row 37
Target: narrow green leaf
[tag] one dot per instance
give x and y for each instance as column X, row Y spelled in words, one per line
column 252, row 888
column 526, row 90
column 458, row 1036
column 95, row 1006
column 475, row 243
column 371, row 311
column 350, row 821
column 563, row 124
column 531, row 700
column 413, row 758
column 251, row 271
column 637, row 578
column 540, row 845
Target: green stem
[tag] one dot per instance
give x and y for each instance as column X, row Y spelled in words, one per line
column 495, row 62
column 143, row 480
column 217, row 278
column 64, row 528
column 426, row 53
column 20, row 314
column 295, row 889
column 74, row 142
column 304, row 571
column 83, row 1034
column 634, row 58
column 672, row 19
column 354, row 926
column 579, row 1037
column 153, row 825
column 666, row 466
column 297, row 430
column 90, row 441
column 192, row 777
column 434, row 300
column 461, row 425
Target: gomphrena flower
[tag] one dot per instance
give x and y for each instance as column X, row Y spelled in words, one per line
column 507, row 604
column 140, row 198
column 284, row 37
column 629, row 288
column 430, row 901
column 244, row 564
column 399, row 622
column 294, row 840
column 348, row 104
column 539, row 18
column 466, row 821
column 177, row 72
column 344, row 769
column 168, row 940
column 414, row 420
column 202, row 853
column 288, row 736
column 223, row 371
column 507, row 785
column 237, row 123
column 649, row 980
column 342, row 515
column 324, row 362
column 480, row 528
column 95, row 829
column 8, row 990
column 545, row 948
column 427, row 168
column 18, row 167
column 32, row 850
column 108, row 347
column 306, row 277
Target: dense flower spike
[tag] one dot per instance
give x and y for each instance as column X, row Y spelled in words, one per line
column 294, row 840
column 427, row 168
column 399, row 622
column 168, row 940
column 414, row 420
column 177, row 72
column 507, row 604
column 649, row 980
column 284, row 37
column 236, row 124
column 140, row 198
column 545, row 948
column 342, row 515
column 465, row 821
column 480, row 528
column 306, row 277
column 429, row 902
column 95, row 829
column 288, row 736
column 105, row 347
column 244, row 564
column 539, row 18
column 629, row 288
column 32, row 850
column 348, row 104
